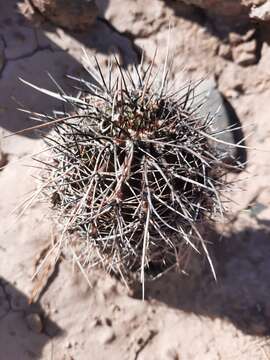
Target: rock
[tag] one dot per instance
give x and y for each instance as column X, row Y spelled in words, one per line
column 245, row 54
column 68, row 345
column 106, row 335
column 70, row 14
column 261, row 13
column 243, row 47
column 216, row 105
column 225, row 51
column 96, row 322
column 235, row 38
column 34, row 322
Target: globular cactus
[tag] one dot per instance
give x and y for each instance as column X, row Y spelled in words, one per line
column 133, row 171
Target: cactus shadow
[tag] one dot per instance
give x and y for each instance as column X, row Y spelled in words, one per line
column 241, row 294
column 21, row 337
column 30, row 52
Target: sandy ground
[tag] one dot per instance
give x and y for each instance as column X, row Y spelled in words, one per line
column 184, row 317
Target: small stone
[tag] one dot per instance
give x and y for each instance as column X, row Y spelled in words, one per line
column 235, row 39
column 217, row 107
column 34, row 322
column 245, row 54
column 225, row 51
column 96, row 322
column 261, row 13
column 68, row 345
column 106, row 335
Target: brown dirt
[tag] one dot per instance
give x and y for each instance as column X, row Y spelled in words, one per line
column 184, row 317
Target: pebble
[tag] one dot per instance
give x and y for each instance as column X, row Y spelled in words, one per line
column 261, row 13
column 214, row 102
column 245, row 54
column 225, row 51
column 68, row 345
column 106, row 335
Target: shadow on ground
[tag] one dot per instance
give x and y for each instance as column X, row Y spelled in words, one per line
column 31, row 52
column 24, row 329
column 242, row 292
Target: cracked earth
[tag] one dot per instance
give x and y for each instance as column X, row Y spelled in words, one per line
column 184, row 317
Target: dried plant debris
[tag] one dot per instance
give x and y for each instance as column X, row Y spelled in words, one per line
column 133, row 172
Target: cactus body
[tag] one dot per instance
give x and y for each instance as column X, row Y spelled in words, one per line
column 133, row 171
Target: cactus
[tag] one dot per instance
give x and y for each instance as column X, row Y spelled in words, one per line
column 133, row 171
